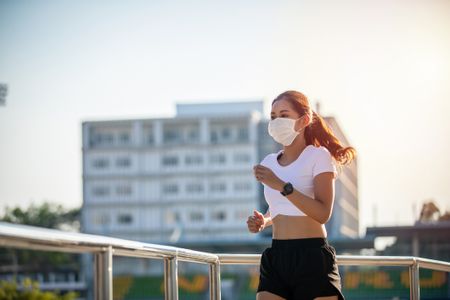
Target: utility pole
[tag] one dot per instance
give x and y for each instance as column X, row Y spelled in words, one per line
column 318, row 107
column 3, row 93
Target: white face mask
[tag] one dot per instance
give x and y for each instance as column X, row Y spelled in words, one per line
column 282, row 130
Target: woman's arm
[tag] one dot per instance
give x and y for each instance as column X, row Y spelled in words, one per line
column 320, row 207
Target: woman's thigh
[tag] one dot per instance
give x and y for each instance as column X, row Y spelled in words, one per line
column 268, row 296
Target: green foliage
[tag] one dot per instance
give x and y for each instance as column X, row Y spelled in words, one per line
column 30, row 291
column 46, row 215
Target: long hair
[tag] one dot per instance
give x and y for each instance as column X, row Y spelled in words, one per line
column 318, row 133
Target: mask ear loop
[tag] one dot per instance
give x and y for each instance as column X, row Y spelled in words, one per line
column 298, row 131
column 311, row 124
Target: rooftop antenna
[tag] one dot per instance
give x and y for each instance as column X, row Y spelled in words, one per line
column 374, row 215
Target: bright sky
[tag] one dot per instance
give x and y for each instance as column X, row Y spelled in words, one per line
column 382, row 68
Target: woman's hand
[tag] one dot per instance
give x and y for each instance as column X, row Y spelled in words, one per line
column 256, row 223
column 266, row 176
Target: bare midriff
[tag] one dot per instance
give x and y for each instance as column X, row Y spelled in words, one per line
column 296, row 227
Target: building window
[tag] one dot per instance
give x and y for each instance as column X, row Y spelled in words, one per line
column 123, row 190
column 105, row 139
column 100, row 163
column 147, row 134
column 100, row 191
column 123, row 162
column 241, row 157
column 170, row 189
column 226, row 134
column 172, row 136
column 196, row 216
column 150, row 139
column 241, row 186
column 102, row 219
column 242, row 134
column 124, row 138
column 214, row 137
column 217, row 158
column 194, row 188
column 193, row 160
column 218, row 215
column 170, row 161
column 218, row 187
column 125, row 219
column 193, row 135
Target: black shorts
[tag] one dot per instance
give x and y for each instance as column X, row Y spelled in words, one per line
column 300, row 269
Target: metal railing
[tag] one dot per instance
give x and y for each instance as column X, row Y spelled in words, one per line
column 36, row 238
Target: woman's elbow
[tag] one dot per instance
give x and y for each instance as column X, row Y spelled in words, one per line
column 323, row 213
column 323, row 219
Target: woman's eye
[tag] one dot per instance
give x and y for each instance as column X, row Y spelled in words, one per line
column 282, row 116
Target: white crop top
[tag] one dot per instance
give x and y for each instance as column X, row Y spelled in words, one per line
column 301, row 172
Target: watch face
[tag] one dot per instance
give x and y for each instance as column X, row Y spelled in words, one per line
column 287, row 189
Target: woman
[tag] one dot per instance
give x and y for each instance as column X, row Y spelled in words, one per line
column 299, row 188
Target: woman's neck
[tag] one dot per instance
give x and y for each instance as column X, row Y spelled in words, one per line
column 293, row 151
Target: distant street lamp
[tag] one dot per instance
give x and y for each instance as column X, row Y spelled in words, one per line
column 3, row 92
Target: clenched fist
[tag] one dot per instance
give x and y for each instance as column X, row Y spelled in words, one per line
column 256, row 223
column 266, row 176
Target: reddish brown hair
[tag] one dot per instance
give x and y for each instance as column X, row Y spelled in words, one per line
column 318, row 133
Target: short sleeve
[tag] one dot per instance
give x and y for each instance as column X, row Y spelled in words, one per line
column 324, row 162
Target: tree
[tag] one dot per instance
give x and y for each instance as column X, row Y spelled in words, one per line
column 431, row 213
column 46, row 215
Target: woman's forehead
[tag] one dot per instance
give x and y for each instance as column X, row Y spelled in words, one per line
column 281, row 106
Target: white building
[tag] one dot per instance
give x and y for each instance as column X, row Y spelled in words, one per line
column 187, row 178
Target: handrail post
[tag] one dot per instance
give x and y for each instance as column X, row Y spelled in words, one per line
column 214, row 281
column 414, row 281
column 103, row 287
column 171, row 278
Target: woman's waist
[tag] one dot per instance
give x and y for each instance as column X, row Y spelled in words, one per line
column 296, row 227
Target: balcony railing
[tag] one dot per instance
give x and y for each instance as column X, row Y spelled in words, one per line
column 103, row 248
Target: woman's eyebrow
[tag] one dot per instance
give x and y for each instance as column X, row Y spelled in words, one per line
column 284, row 110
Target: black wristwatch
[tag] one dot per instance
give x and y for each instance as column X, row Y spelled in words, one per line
column 287, row 189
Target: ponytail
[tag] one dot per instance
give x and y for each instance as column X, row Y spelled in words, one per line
column 319, row 133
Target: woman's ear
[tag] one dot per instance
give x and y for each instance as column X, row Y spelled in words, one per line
column 308, row 120
column 302, row 122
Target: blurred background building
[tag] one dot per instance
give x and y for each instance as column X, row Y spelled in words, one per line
column 186, row 178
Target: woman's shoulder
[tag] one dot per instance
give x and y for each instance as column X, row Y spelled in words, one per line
column 321, row 153
column 324, row 161
column 321, row 150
